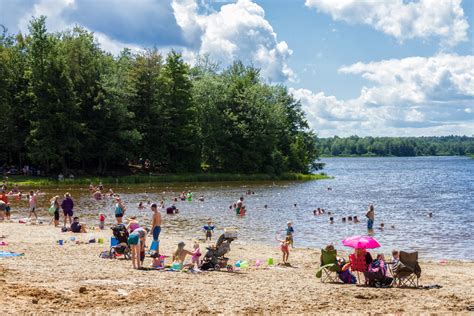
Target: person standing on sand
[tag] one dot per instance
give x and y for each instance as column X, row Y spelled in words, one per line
column 55, row 205
column 67, row 205
column 4, row 198
column 32, row 204
column 156, row 224
column 370, row 217
column 119, row 209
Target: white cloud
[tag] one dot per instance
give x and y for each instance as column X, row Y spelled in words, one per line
column 238, row 31
column 402, row 19
column 56, row 21
column 416, row 95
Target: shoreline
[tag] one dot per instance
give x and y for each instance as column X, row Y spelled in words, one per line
column 35, row 182
column 49, row 278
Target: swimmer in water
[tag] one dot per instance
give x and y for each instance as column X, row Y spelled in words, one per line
column 331, row 220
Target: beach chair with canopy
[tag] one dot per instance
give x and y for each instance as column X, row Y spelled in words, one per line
column 406, row 271
column 329, row 266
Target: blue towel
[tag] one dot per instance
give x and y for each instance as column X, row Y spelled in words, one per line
column 10, row 254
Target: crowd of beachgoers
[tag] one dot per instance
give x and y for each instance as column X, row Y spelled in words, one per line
column 130, row 236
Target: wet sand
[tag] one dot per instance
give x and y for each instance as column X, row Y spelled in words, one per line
column 72, row 278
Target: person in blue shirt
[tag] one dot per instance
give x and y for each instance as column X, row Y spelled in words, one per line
column 289, row 233
column 209, row 229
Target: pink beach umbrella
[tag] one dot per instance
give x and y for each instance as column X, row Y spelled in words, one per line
column 365, row 242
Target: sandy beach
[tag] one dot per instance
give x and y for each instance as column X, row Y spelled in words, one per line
column 72, row 278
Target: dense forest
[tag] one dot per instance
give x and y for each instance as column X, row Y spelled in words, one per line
column 68, row 105
column 396, row 146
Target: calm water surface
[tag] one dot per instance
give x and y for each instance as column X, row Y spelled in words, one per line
column 403, row 190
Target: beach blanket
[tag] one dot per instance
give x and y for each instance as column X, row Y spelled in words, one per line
column 10, row 254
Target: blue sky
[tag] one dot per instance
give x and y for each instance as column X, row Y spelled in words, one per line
column 389, row 67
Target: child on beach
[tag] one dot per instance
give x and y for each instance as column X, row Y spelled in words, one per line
column 32, row 205
column 289, row 233
column 209, row 229
column 180, row 254
column 196, row 255
column 284, row 247
column 101, row 220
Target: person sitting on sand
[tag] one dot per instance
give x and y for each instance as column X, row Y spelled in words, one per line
column 284, row 247
column 77, row 227
column 180, row 254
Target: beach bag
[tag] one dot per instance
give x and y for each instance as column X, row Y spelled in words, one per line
column 51, row 210
column 347, row 277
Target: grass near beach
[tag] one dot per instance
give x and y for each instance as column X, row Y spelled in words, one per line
column 146, row 179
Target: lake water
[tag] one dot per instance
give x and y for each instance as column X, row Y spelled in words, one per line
column 403, row 190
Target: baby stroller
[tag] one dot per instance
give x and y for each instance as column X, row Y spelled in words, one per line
column 215, row 256
column 121, row 248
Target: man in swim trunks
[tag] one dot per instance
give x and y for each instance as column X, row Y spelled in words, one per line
column 156, row 224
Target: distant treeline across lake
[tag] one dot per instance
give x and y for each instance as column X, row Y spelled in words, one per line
column 397, row 146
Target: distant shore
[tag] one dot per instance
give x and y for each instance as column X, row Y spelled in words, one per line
column 168, row 178
column 390, row 156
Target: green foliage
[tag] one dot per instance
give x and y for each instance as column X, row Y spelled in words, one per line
column 396, row 146
column 68, row 105
column 31, row 182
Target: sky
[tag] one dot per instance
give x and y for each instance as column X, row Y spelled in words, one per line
column 358, row 67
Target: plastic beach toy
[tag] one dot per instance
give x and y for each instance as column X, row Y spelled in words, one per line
column 270, row 261
column 60, row 242
column 258, row 263
column 100, row 240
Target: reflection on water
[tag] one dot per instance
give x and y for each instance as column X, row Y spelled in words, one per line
column 403, row 190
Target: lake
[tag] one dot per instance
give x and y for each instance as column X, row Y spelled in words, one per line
column 403, row 190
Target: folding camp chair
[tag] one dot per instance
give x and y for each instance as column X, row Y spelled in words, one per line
column 406, row 271
column 329, row 266
column 358, row 264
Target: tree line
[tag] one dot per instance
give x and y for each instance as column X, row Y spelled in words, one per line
column 396, row 146
column 68, row 105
